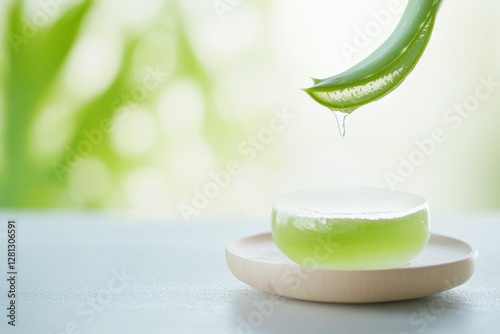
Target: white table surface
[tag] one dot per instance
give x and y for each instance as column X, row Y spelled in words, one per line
column 178, row 282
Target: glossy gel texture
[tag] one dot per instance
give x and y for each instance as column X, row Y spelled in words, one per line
column 351, row 228
column 386, row 68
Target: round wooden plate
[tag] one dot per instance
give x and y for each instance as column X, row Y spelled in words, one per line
column 444, row 264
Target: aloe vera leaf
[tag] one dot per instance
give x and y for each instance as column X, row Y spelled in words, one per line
column 386, row 68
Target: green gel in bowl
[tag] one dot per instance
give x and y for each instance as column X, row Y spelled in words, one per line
column 351, row 228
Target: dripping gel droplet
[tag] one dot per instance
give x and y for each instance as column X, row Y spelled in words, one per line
column 340, row 117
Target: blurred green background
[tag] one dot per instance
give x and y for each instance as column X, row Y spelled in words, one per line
column 140, row 106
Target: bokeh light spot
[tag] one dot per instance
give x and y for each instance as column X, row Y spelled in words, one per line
column 134, row 133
